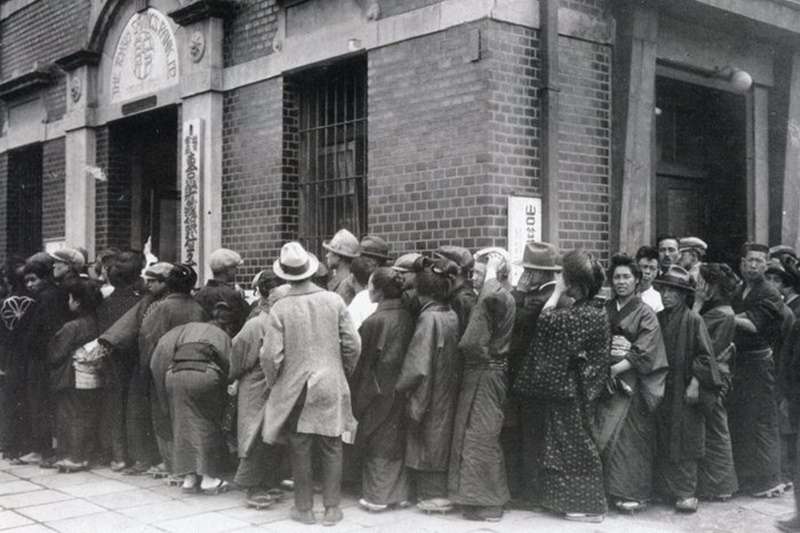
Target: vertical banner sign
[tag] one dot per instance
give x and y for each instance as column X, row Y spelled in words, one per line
column 191, row 178
column 524, row 224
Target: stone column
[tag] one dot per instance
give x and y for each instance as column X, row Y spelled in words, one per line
column 634, row 101
column 81, row 172
column 790, row 221
column 201, row 130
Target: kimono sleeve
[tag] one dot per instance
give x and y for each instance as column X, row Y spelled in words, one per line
column 598, row 355
column 350, row 342
column 123, row 334
column 648, row 353
column 704, row 363
column 765, row 313
column 416, row 375
column 245, row 348
column 272, row 350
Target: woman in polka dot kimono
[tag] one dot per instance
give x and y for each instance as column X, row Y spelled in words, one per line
column 566, row 371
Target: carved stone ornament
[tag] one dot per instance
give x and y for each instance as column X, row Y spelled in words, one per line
column 75, row 88
column 197, row 46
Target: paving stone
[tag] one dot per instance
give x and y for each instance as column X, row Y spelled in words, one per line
column 30, row 471
column 149, row 514
column 100, row 523
column 9, row 519
column 129, row 498
column 203, row 523
column 106, row 486
column 27, row 499
column 7, row 477
column 65, row 480
column 15, row 487
column 60, row 510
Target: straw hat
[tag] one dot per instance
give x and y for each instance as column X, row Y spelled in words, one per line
column 295, row 264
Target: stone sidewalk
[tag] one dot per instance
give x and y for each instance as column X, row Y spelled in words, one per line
column 33, row 500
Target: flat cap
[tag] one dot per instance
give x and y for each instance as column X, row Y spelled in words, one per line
column 457, row 254
column 408, row 263
column 71, row 256
column 693, row 243
column 223, row 258
column 158, row 271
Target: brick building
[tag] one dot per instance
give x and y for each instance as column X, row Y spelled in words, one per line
column 202, row 123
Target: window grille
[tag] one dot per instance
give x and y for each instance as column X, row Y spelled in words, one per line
column 333, row 152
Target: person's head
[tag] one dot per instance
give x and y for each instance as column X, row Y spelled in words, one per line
column 264, row 282
column 361, row 268
column 780, row 278
column 224, row 263
column 583, row 276
column 540, row 262
column 459, row 256
column 436, row 282
column 155, row 278
column 717, row 281
column 125, row 269
column 676, row 287
column 409, row 265
column 481, row 262
column 66, row 261
column 100, row 270
column 375, row 249
column 692, row 250
column 753, row 263
column 84, row 296
column 341, row 250
column 624, row 274
column 295, row 264
column 37, row 271
column 181, row 279
column 385, row 284
column 667, row 251
column 647, row 260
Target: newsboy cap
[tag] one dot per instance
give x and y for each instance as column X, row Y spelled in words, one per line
column 70, row 256
column 457, row 254
column 693, row 243
column 223, row 258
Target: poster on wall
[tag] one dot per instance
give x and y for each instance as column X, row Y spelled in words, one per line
column 524, row 224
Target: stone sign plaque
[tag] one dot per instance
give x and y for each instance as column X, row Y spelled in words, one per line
column 191, row 178
column 146, row 57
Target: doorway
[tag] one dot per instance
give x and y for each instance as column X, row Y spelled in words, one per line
column 25, row 200
column 701, row 173
column 148, row 145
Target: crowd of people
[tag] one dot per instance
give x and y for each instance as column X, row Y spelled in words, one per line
column 457, row 380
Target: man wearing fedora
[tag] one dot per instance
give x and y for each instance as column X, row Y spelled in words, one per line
column 342, row 249
column 310, row 400
column 523, row 425
column 680, row 422
column 752, row 410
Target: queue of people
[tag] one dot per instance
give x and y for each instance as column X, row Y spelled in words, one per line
column 428, row 380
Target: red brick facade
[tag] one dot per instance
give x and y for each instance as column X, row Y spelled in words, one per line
column 53, row 173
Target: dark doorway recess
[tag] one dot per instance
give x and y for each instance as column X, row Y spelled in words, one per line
column 25, row 200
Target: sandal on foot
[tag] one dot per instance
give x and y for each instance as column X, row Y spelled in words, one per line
column 585, row 517
column 686, row 505
column 772, row 492
column 629, row 506
column 217, row 487
column 191, row 484
column 372, row 507
column 435, row 505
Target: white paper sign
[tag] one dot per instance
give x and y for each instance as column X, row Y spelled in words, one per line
column 524, row 224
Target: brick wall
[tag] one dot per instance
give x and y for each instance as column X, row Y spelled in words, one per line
column 254, row 221
column 39, row 34
column 584, row 145
column 53, row 175
column 4, row 222
column 112, row 197
column 249, row 34
column 428, row 143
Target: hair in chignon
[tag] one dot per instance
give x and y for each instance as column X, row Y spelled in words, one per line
column 583, row 272
column 388, row 281
column 721, row 276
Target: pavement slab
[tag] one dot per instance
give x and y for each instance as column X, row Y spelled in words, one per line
column 9, row 519
column 50, row 512
column 27, row 499
column 128, row 498
column 202, row 523
column 15, row 487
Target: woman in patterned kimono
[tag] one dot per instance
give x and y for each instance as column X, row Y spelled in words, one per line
column 626, row 424
column 567, row 370
column 716, row 474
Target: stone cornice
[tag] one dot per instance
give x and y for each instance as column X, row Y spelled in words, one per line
column 78, row 58
column 26, row 83
column 202, row 10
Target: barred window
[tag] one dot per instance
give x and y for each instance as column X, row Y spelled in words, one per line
column 333, row 151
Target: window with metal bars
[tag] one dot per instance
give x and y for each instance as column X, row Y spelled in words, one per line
column 332, row 159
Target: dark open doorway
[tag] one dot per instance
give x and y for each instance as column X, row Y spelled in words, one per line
column 25, row 200
column 148, row 145
column 701, row 153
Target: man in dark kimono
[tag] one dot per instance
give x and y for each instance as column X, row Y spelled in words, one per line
column 342, row 249
column 752, row 409
column 429, row 379
column 679, row 419
column 477, row 475
column 462, row 295
column 523, row 431
column 124, row 277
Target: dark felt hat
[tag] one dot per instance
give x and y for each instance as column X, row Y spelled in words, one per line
column 676, row 277
column 541, row 256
